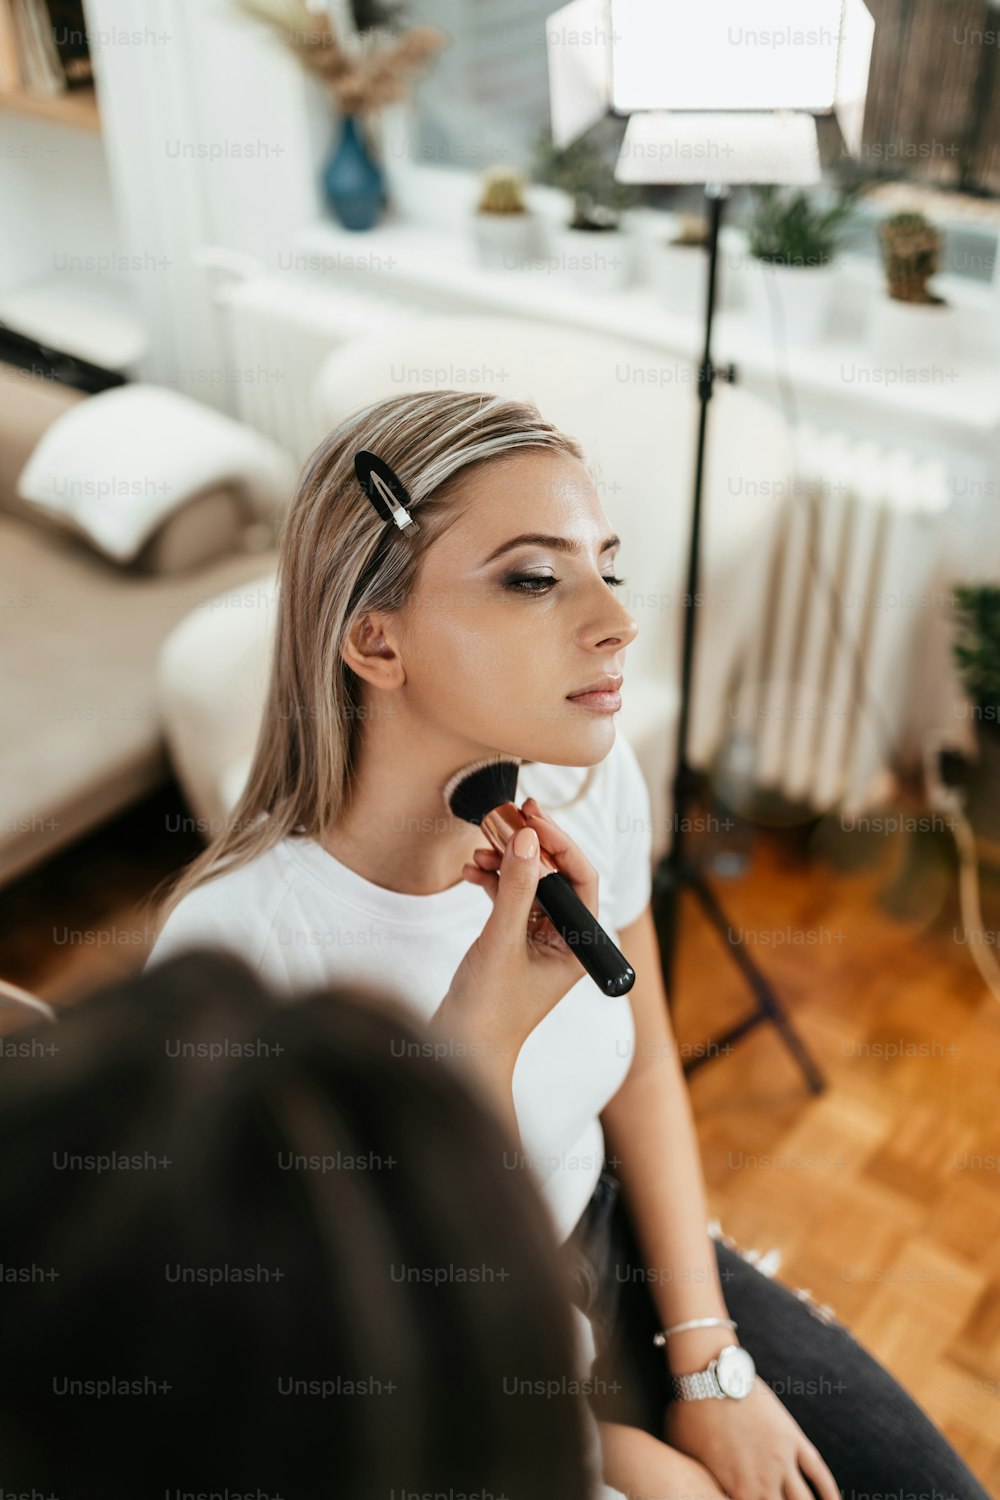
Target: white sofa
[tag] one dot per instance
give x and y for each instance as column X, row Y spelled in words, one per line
column 80, row 730
column 635, row 414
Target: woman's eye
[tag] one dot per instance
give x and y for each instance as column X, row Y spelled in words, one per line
column 539, row 583
column 531, row 583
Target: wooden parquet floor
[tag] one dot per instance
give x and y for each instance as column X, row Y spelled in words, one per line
column 882, row 1194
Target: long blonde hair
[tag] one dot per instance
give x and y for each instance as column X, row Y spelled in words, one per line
column 339, row 560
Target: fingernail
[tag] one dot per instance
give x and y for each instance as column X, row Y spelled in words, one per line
column 526, row 843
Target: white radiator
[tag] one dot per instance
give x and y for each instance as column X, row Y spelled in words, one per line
column 828, row 687
column 280, row 329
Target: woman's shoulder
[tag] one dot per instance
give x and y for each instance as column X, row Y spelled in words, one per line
column 624, row 780
column 625, row 785
column 627, row 807
column 234, row 910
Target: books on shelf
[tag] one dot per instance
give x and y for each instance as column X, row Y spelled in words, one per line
column 10, row 70
column 44, row 46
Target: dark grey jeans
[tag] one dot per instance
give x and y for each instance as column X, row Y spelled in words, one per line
column 877, row 1442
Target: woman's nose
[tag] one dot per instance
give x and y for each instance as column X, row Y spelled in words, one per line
column 615, row 622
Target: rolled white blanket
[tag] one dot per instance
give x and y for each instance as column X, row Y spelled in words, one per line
column 114, row 468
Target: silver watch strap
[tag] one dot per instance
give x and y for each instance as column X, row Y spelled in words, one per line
column 697, row 1387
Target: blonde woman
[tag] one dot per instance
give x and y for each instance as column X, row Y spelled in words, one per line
column 403, row 654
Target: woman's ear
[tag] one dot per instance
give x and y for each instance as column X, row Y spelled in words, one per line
column 370, row 651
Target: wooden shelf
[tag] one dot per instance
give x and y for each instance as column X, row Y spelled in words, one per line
column 92, row 321
column 76, row 107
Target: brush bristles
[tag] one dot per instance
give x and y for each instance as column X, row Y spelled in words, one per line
column 480, row 787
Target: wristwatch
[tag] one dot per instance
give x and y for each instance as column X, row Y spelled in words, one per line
column 731, row 1374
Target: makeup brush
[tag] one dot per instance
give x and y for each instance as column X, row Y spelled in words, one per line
column 483, row 793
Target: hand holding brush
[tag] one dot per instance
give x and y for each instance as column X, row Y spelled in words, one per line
column 483, row 793
column 519, row 967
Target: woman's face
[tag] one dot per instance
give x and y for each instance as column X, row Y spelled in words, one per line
column 497, row 638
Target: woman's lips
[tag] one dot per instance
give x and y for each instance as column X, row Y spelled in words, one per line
column 602, row 703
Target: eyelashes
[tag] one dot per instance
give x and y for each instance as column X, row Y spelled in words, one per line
column 540, row 583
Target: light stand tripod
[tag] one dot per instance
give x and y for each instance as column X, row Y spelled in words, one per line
column 674, row 873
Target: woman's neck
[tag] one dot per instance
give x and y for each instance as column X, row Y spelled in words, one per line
column 397, row 831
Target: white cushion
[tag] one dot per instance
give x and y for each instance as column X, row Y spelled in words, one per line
column 115, row 467
column 212, row 681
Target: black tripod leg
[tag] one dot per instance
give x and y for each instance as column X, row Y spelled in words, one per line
column 673, row 872
column 667, row 886
column 768, row 1005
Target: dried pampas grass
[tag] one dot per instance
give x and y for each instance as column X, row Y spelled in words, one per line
column 375, row 69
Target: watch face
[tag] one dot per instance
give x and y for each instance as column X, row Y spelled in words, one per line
column 735, row 1371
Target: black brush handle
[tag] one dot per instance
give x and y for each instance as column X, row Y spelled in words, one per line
column 607, row 965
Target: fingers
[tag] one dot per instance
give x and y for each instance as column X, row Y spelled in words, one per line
column 475, row 876
column 794, row 1487
column 517, row 877
column 558, row 845
column 812, row 1465
column 561, row 849
column 484, row 873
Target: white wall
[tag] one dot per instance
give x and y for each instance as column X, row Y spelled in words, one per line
column 56, row 197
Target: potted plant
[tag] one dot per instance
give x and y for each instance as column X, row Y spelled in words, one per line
column 677, row 265
column 590, row 250
column 362, row 72
column 503, row 226
column 977, row 654
column 792, row 242
column 912, row 325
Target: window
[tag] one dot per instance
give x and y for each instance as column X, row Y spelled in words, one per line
column 487, row 96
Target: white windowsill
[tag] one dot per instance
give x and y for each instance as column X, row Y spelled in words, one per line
column 422, row 259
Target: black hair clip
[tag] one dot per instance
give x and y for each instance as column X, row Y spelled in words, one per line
column 384, row 489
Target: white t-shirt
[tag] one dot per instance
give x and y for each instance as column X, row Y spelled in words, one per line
column 305, row 920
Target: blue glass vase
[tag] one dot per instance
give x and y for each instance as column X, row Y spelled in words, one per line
column 353, row 183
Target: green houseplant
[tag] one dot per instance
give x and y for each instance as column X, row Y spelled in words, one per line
column 793, row 240
column 788, row 228
column 590, row 249
column 976, row 649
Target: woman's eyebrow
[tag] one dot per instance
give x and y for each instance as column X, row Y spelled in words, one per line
column 538, row 539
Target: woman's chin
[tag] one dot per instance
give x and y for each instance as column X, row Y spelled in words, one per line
column 585, row 746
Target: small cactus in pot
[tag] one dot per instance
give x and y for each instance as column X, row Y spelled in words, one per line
column 913, row 327
column 503, row 225
column 502, row 191
column 691, row 233
column 911, row 252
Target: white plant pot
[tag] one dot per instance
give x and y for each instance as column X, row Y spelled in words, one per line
column 505, row 242
column 903, row 335
column 790, row 304
column 588, row 260
column 679, row 276
column 732, row 262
